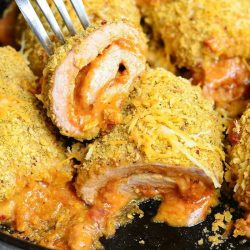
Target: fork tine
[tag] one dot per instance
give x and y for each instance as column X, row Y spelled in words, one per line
column 35, row 24
column 65, row 15
column 51, row 19
column 81, row 12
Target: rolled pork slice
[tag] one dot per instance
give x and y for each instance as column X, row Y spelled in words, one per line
column 98, row 11
column 168, row 147
column 86, row 81
column 238, row 175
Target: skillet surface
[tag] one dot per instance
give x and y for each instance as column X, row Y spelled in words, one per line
column 142, row 234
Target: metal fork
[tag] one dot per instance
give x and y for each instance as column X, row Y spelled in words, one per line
column 37, row 27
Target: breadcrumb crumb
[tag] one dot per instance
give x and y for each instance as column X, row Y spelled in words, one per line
column 200, row 242
column 221, row 227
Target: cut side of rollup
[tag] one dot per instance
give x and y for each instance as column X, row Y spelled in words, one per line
column 238, row 175
column 98, row 11
column 87, row 80
column 168, row 147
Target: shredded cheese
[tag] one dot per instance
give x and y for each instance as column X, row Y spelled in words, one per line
column 174, row 141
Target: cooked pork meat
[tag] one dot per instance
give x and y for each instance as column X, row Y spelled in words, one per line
column 99, row 11
column 86, row 80
column 142, row 132
column 168, row 147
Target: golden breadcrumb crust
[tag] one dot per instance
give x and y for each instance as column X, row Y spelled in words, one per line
column 199, row 32
column 167, row 121
column 240, row 162
column 29, row 150
column 98, row 12
column 60, row 55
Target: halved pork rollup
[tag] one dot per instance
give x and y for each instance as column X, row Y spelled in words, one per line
column 205, row 44
column 239, row 173
column 168, row 147
column 98, row 11
column 86, row 80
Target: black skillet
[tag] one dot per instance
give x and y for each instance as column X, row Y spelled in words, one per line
column 142, row 234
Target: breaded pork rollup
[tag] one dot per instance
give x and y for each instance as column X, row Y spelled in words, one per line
column 99, row 11
column 239, row 172
column 29, row 151
column 86, row 80
column 207, row 40
column 168, row 147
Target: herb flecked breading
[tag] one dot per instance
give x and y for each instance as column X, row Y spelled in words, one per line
column 29, row 149
column 166, row 121
column 240, row 162
column 199, row 32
